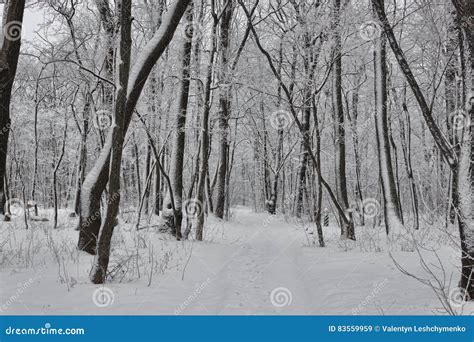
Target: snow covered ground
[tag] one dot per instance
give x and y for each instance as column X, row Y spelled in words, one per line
column 253, row 264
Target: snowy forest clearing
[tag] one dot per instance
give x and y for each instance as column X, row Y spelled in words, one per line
column 252, row 264
column 237, row 157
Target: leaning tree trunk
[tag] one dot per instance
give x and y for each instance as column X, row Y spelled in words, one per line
column 94, row 184
column 319, row 200
column 177, row 159
column 96, row 180
column 115, row 144
column 225, row 108
column 9, row 53
column 389, row 189
column 465, row 11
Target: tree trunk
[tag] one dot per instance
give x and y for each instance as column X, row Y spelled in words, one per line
column 347, row 230
column 9, row 53
column 355, row 142
column 224, row 107
column 137, row 178
column 146, row 186
column 99, row 269
column 55, row 175
column 96, row 180
column 204, row 161
column 450, row 86
column 465, row 12
column 319, row 199
column 82, row 162
column 389, row 189
column 177, row 158
column 405, row 138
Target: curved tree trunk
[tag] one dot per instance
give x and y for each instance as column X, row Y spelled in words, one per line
column 465, row 12
column 96, row 180
column 99, row 269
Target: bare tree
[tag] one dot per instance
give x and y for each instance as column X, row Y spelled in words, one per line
column 177, row 159
column 9, row 53
column 204, row 136
column 101, row 261
column 389, row 189
column 465, row 219
column 96, row 181
column 225, row 100
column 347, row 229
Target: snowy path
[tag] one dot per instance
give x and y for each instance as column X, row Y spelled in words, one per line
column 272, row 255
column 266, row 259
column 254, row 264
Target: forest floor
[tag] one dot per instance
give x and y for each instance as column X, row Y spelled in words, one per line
column 253, row 264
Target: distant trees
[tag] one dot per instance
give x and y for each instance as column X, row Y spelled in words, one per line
column 283, row 106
